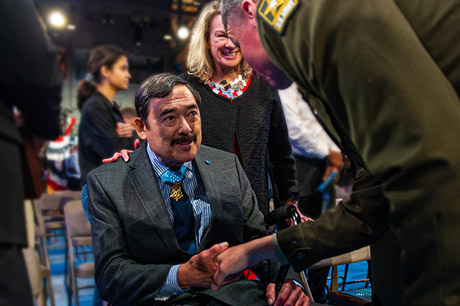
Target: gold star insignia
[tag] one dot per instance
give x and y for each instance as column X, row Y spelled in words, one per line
column 277, row 12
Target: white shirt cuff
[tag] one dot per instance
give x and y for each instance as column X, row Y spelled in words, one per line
column 171, row 287
column 322, row 149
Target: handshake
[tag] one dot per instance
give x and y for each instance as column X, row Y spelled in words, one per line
column 219, row 265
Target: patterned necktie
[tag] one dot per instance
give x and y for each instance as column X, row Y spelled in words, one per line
column 184, row 222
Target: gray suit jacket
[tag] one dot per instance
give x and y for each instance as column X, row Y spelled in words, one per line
column 134, row 241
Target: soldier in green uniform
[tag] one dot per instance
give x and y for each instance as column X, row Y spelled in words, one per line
column 384, row 78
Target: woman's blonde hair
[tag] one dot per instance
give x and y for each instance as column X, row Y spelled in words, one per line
column 199, row 59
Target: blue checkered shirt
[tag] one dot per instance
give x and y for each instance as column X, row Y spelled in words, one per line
column 194, row 188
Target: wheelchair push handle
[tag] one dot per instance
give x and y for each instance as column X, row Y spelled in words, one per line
column 278, row 215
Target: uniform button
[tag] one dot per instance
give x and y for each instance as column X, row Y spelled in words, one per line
column 294, row 244
column 300, row 256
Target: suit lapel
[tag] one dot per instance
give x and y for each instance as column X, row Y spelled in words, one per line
column 143, row 181
column 205, row 164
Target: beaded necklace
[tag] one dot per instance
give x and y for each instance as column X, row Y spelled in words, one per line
column 230, row 89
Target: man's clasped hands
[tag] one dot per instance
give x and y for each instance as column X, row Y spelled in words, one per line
column 220, row 265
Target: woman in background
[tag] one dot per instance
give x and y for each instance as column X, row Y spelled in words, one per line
column 239, row 113
column 102, row 130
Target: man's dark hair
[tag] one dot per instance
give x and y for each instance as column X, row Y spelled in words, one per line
column 159, row 86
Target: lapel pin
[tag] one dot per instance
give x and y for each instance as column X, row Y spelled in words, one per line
column 207, row 162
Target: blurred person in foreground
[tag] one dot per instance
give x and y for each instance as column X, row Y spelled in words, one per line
column 30, row 80
column 102, row 130
column 239, row 113
column 385, row 81
column 159, row 220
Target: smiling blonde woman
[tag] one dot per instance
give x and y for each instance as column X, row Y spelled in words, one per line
column 239, row 113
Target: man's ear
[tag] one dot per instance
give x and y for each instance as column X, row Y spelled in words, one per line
column 139, row 125
column 249, row 8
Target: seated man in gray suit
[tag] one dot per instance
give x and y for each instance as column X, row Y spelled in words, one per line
column 160, row 219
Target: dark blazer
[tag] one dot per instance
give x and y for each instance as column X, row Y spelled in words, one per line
column 384, row 77
column 134, row 241
column 97, row 135
column 30, row 79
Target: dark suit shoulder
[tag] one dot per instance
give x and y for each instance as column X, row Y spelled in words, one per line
column 214, row 153
column 119, row 166
column 140, row 156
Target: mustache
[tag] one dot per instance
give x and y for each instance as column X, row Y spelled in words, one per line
column 184, row 139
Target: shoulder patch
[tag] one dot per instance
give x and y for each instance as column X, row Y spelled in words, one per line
column 276, row 13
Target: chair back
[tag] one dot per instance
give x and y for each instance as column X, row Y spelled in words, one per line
column 78, row 231
column 343, row 259
column 350, row 257
column 33, row 270
column 41, row 245
column 76, row 194
column 54, row 201
column 40, row 230
column 77, row 223
column 52, row 207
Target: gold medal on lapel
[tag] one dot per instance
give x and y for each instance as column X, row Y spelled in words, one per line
column 176, row 191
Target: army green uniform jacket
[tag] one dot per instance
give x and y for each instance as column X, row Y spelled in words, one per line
column 384, row 77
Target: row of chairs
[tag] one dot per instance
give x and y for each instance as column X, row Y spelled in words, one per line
column 59, row 216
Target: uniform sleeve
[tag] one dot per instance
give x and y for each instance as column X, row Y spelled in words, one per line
column 280, row 152
column 381, row 87
column 403, row 120
column 347, row 226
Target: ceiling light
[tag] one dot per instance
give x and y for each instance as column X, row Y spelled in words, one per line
column 167, row 37
column 57, row 19
column 71, row 27
column 183, row 32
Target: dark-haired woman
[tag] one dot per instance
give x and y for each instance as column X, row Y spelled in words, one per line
column 102, row 130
